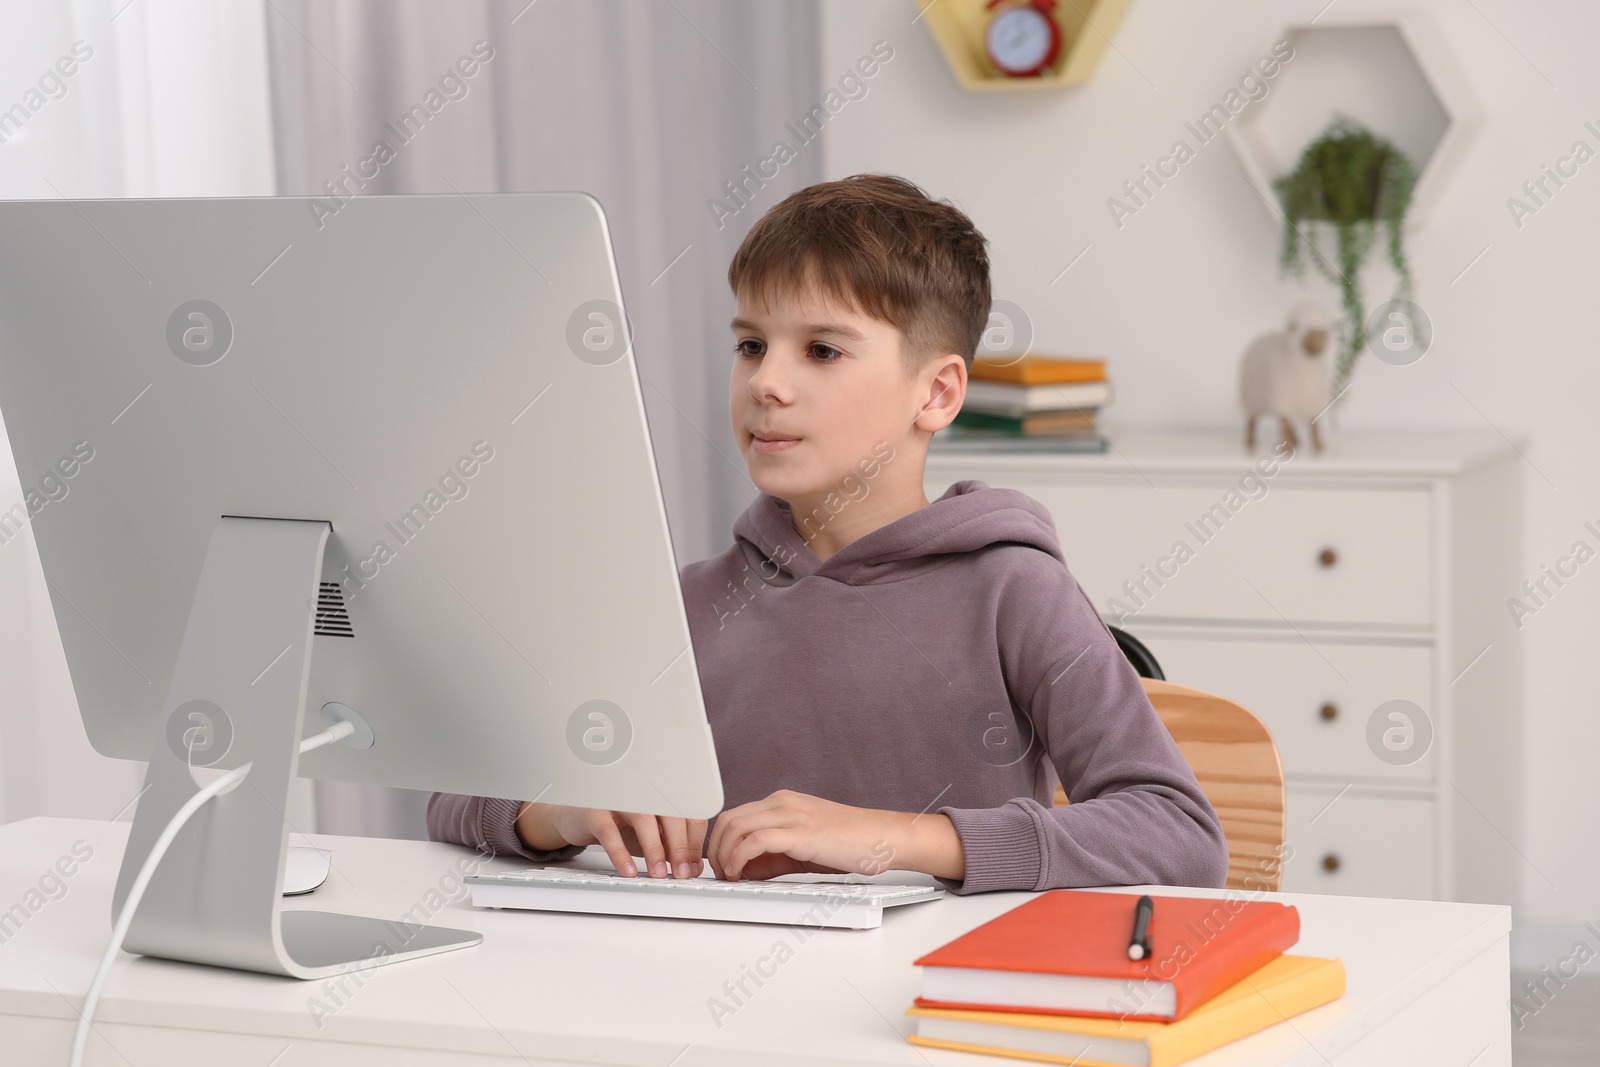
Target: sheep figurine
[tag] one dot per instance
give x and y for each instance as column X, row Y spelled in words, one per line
column 1284, row 373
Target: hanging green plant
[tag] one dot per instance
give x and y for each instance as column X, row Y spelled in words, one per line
column 1355, row 180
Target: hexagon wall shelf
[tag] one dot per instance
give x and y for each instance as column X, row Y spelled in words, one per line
column 1395, row 77
column 958, row 27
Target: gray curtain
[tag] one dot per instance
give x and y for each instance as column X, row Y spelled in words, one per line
column 652, row 106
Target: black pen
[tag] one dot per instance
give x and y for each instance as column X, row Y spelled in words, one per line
column 1139, row 948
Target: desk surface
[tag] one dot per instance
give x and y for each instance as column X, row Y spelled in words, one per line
column 595, row 989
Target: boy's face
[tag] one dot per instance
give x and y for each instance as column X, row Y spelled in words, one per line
column 831, row 380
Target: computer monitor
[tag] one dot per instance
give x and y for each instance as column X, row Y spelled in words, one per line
column 289, row 461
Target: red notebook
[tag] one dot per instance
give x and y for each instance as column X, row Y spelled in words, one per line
column 1066, row 953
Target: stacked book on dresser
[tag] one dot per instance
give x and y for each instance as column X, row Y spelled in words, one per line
column 1057, row 980
column 1048, row 403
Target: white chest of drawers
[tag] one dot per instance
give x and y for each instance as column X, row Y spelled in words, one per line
column 1315, row 591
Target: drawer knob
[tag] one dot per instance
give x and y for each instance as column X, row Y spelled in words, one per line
column 1330, row 862
column 1329, row 712
column 1328, row 557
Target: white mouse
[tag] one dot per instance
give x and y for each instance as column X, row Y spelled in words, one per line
column 305, row 869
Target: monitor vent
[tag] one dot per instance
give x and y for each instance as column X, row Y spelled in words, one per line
column 333, row 619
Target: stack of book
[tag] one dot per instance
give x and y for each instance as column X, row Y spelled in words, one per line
column 1053, row 980
column 1048, row 401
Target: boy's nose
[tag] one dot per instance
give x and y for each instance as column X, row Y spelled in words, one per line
column 770, row 379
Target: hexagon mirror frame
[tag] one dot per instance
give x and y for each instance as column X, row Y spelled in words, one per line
column 1395, row 76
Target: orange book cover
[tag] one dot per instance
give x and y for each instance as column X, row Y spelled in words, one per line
column 1199, row 946
column 1284, row 988
column 1038, row 370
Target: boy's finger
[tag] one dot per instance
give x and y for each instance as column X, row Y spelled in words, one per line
column 728, row 848
column 726, row 840
column 732, row 824
column 604, row 827
column 649, row 835
column 697, row 844
column 715, row 847
column 752, row 846
column 675, row 835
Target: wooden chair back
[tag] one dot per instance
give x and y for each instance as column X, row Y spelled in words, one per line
column 1236, row 763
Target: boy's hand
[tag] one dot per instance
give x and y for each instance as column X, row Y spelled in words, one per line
column 667, row 843
column 790, row 832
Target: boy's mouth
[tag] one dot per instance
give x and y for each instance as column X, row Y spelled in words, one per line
column 772, row 442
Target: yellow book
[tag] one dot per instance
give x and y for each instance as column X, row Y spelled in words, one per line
column 1283, row 988
column 1037, row 370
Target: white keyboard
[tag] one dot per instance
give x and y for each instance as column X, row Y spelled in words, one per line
column 846, row 905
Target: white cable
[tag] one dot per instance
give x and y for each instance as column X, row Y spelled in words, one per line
column 80, row 1037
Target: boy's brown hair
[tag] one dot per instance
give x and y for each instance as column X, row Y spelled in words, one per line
column 877, row 244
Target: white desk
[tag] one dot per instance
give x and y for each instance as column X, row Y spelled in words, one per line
column 1428, row 982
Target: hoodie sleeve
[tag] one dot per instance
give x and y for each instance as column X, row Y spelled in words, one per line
column 1136, row 814
column 486, row 823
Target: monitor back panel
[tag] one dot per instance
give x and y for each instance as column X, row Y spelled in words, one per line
column 449, row 382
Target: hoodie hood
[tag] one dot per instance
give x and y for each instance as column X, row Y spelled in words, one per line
column 971, row 515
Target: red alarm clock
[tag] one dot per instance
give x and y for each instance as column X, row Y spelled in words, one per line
column 1023, row 38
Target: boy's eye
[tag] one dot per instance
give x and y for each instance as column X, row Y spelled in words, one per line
column 828, row 354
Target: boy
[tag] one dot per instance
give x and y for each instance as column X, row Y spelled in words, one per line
column 890, row 683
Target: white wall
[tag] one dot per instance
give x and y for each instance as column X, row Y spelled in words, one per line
column 1174, row 295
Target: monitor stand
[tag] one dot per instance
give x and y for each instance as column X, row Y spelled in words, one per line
column 216, row 897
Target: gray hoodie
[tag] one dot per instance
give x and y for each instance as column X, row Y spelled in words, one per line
column 947, row 662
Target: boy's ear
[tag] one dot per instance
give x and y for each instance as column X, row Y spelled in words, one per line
column 947, row 389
